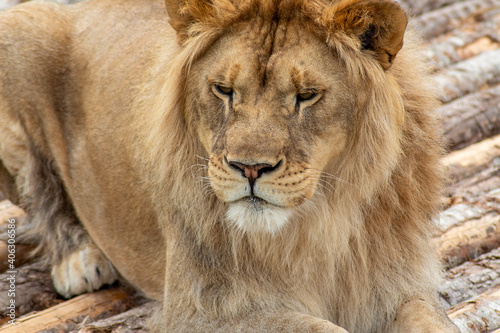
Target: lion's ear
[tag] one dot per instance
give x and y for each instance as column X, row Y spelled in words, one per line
column 379, row 24
column 183, row 13
column 179, row 18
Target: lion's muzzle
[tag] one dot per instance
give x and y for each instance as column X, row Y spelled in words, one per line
column 261, row 194
column 252, row 171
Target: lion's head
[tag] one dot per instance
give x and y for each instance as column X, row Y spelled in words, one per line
column 298, row 145
column 272, row 101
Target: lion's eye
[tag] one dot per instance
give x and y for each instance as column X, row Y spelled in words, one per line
column 223, row 90
column 306, row 96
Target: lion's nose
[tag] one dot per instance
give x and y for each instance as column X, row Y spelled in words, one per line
column 253, row 171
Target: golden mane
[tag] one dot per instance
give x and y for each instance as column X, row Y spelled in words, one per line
column 379, row 183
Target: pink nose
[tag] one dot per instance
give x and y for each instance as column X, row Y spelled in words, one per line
column 253, row 171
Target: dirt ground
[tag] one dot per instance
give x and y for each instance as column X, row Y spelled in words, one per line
column 463, row 39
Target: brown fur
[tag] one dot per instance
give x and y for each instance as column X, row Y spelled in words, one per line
column 137, row 144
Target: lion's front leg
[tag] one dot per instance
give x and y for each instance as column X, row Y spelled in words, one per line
column 284, row 321
column 32, row 180
column 419, row 316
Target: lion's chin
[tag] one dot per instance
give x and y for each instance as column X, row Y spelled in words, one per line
column 254, row 215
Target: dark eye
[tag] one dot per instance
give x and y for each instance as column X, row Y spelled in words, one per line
column 223, row 90
column 306, row 96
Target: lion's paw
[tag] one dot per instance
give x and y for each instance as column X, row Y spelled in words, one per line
column 82, row 271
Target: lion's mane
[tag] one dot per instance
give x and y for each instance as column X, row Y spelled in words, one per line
column 374, row 219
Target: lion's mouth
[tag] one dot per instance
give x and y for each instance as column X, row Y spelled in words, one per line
column 254, row 214
column 256, row 202
column 253, row 202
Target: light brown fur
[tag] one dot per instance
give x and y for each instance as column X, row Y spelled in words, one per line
column 121, row 115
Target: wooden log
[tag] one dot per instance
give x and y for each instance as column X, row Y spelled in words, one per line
column 470, row 75
column 480, row 314
column 471, row 278
column 469, row 240
column 469, row 39
column 468, row 228
column 460, row 45
column 488, row 42
column 473, row 159
column 33, row 290
column 457, row 215
column 134, row 320
column 417, row 7
column 474, row 173
column 68, row 316
column 472, row 118
column 440, row 21
column 481, row 188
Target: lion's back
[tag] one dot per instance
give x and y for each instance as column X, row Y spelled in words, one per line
column 74, row 71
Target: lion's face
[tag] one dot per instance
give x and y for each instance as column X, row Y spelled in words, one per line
column 271, row 107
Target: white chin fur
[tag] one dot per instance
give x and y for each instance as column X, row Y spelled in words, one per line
column 257, row 217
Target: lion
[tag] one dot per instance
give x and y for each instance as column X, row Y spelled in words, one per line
column 255, row 165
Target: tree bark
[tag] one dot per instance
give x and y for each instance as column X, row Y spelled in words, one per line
column 135, row 320
column 465, row 43
column 482, row 187
column 472, row 118
column 437, row 22
column 467, row 162
column 33, row 291
column 469, row 240
column 468, row 227
column 417, row 7
column 457, row 215
column 470, row 75
column 472, row 278
column 69, row 315
column 479, row 314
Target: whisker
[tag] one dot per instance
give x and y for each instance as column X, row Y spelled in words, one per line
column 322, row 181
column 202, row 181
column 328, row 175
column 202, row 158
column 320, row 190
column 207, row 189
column 197, row 166
column 330, row 190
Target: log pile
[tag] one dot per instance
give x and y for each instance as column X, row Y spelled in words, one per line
column 463, row 39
